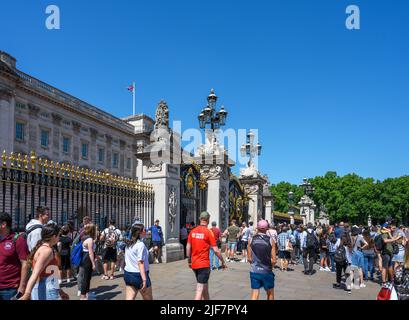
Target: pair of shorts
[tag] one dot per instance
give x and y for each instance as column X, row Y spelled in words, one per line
column 386, row 261
column 323, row 254
column 244, row 244
column 357, row 259
column 202, row 275
column 399, row 257
column 65, row 263
column 232, row 245
column 134, row 279
column 157, row 244
column 282, row 254
column 109, row 255
column 265, row 280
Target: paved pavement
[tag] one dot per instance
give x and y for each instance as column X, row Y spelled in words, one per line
column 174, row 281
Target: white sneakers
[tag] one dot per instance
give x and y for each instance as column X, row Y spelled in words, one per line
column 363, row 285
column 327, row 269
column 78, row 293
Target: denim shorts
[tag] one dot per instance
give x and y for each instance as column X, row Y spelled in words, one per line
column 232, row 245
column 357, row 259
column 265, row 280
column 46, row 289
column 134, row 279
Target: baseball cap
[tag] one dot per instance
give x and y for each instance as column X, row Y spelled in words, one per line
column 137, row 222
column 205, row 216
column 262, row 225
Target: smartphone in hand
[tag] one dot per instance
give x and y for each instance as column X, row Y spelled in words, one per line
column 17, row 296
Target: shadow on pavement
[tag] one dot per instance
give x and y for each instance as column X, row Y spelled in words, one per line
column 108, row 295
column 102, row 289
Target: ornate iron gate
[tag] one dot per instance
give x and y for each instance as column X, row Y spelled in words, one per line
column 193, row 194
column 238, row 202
column 70, row 193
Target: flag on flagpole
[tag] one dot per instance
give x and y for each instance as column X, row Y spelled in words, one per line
column 132, row 88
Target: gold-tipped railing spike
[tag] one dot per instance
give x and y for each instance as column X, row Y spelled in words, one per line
column 46, row 167
column 4, row 158
column 12, row 159
column 25, row 162
column 33, row 160
column 57, row 169
column 19, row 161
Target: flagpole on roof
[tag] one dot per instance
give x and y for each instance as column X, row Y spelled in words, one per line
column 133, row 97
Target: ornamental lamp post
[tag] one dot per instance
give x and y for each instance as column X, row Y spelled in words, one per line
column 250, row 149
column 290, row 206
column 209, row 115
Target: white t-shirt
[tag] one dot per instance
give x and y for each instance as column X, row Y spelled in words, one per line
column 245, row 234
column 134, row 254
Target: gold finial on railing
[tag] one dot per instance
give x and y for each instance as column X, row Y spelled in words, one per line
column 19, row 160
column 4, row 158
column 33, row 160
column 46, row 166
column 52, row 168
column 57, row 169
column 12, row 158
column 25, row 162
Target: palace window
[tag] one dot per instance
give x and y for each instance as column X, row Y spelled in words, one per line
column 45, row 115
column 19, row 131
column 66, row 145
column 115, row 160
column 101, row 155
column 128, row 163
column 20, row 105
column 45, row 135
column 84, row 151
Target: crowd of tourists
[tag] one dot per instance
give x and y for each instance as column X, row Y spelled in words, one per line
column 35, row 263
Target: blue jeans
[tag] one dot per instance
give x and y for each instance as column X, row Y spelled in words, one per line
column 211, row 259
column 7, row 294
column 332, row 261
column 368, row 265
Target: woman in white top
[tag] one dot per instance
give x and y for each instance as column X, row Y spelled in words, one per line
column 136, row 274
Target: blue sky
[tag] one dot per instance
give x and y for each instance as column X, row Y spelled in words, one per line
column 323, row 98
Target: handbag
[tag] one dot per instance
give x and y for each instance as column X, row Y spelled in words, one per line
column 387, row 293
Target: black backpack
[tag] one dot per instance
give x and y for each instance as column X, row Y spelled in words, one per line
column 379, row 243
column 312, row 241
column 340, row 255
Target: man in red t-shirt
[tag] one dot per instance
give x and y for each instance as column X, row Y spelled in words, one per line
column 13, row 260
column 200, row 240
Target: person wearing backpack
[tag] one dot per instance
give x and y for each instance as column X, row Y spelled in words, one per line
column 87, row 265
column 64, row 248
column 340, row 260
column 13, row 261
column 34, row 227
column 387, row 251
column 262, row 257
column 110, row 235
column 310, row 246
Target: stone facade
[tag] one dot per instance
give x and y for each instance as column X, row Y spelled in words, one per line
column 35, row 116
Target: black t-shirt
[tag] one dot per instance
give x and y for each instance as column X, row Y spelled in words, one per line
column 65, row 245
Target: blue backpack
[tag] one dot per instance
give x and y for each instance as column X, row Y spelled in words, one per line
column 76, row 254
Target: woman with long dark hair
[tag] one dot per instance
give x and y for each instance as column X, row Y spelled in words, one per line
column 136, row 274
column 43, row 282
column 87, row 265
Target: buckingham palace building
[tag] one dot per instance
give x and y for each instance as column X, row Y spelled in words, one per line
column 35, row 116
